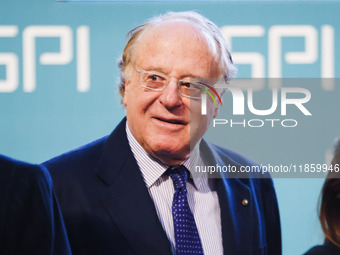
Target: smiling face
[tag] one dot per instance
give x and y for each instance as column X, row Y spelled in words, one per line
column 163, row 122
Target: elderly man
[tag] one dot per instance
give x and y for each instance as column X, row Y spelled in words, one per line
column 129, row 193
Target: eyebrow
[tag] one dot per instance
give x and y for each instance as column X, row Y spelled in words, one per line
column 162, row 71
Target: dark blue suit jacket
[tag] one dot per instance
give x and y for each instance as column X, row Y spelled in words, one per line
column 107, row 208
column 30, row 219
column 328, row 248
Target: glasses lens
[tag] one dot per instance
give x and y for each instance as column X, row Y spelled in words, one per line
column 190, row 89
column 153, row 80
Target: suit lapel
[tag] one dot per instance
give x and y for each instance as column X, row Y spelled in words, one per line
column 127, row 199
column 236, row 218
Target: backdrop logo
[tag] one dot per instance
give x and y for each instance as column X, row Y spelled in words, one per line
column 315, row 47
column 30, row 59
column 318, row 49
column 212, row 97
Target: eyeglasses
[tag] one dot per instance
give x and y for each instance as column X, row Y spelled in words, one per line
column 156, row 81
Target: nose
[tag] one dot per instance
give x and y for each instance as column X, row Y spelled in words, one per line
column 170, row 97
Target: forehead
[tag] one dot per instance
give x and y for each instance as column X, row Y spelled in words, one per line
column 176, row 46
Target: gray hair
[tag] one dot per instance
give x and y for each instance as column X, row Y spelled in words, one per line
column 209, row 30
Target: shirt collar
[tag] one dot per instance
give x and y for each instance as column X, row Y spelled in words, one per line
column 150, row 167
column 199, row 179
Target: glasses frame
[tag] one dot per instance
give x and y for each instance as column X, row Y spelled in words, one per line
column 200, row 85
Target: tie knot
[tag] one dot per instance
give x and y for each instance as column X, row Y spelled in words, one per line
column 178, row 175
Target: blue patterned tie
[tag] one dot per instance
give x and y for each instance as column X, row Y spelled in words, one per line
column 186, row 234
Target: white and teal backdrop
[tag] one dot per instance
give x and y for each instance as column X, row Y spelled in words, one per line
column 58, row 83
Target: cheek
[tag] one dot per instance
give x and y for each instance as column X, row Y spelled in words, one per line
column 131, row 97
column 139, row 101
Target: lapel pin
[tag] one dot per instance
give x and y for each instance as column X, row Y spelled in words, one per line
column 245, row 202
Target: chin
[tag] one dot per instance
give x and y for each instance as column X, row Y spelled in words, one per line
column 170, row 153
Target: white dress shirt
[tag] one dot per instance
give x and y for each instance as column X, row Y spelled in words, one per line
column 202, row 197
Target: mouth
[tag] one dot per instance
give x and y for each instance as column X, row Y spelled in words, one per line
column 171, row 121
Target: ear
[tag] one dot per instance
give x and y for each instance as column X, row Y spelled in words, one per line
column 126, row 93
